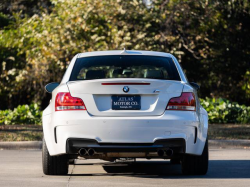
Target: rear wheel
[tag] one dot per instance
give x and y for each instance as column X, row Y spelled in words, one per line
column 71, row 161
column 195, row 165
column 175, row 161
column 54, row 165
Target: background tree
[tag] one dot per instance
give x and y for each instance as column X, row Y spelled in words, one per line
column 210, row 39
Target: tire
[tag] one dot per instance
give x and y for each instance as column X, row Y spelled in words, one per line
column 175, row 161
column 71, row 161
column 54, row 165
column 195, row 165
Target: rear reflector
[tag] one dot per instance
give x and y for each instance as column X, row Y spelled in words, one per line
column 185, row 102
column 64, row 101
column 125, row 83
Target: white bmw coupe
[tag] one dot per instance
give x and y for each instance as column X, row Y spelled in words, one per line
column 125, row 105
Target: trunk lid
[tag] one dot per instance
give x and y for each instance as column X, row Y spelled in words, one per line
column 97, row 95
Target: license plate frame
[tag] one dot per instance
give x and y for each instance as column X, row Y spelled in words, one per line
column 126, row 102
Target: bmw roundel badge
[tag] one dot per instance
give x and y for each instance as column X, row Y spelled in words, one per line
column 126, row 89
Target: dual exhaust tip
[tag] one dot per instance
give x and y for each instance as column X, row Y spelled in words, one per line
column 168, row 152
column 86, row 152
column 91, row 152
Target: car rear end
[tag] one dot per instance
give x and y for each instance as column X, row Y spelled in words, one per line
column 121, row 104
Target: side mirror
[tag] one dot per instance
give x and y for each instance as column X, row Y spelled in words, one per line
column 195, row 85
column 51, row 86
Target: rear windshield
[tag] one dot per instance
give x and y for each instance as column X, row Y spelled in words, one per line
column 124, row 66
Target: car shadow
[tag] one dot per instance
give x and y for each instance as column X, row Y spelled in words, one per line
column 164, row 169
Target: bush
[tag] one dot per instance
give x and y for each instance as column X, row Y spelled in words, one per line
column 4, row 21
column 223, row 111
column 23, row 114
column 206, row 36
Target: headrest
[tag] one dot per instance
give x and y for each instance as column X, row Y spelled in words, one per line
column 153, row 74
column 116, row 72
column 95, row 74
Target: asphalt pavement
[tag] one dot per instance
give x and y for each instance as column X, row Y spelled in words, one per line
column 227, row 167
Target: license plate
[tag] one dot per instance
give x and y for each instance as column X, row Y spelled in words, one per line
column 126, row 102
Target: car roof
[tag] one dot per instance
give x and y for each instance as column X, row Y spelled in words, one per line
column 123, row 52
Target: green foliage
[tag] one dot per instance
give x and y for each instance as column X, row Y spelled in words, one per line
column 223, row 111
column 210, row 39
column 23, row 114
column 4, row 21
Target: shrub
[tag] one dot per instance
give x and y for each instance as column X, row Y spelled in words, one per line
column 206, row 36
column 4, row 21
column 223, row 111
column 23, row 114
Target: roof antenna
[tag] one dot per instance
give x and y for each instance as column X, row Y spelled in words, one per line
column 124, row 50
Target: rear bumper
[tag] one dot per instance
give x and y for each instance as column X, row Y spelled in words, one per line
column 75, row 144
column 61, row 128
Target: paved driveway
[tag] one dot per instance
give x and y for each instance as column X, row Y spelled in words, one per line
column 228, row 167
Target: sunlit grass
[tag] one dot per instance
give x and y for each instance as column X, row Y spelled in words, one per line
column 21, row 133
column 228, row 131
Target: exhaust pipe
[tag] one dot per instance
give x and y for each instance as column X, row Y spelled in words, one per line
column 91, row 152
column 169, row 152
column 83, row 152
column 160, row 153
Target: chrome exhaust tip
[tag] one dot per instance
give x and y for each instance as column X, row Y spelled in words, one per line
column 83, row 152
column 169, row 152
column 160, row 153
column 91, row 152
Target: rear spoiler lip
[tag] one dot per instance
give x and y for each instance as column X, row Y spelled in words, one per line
column 125, row 83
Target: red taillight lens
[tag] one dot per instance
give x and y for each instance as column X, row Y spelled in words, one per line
column 64, row 101
column 185, row 102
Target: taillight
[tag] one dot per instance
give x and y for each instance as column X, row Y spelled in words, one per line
column 185, row 102
column 64, row 101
